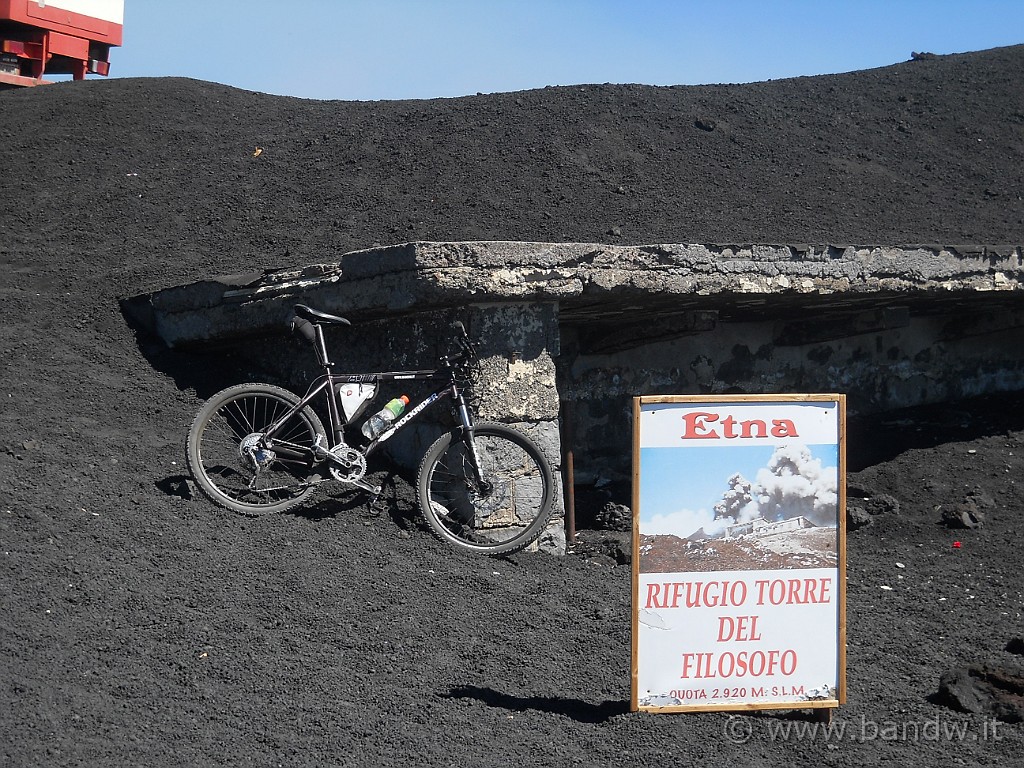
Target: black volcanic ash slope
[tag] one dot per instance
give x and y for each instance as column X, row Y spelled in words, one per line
column 138, row 627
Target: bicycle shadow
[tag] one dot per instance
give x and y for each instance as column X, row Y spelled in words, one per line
column 576, row 709
column 396, row 500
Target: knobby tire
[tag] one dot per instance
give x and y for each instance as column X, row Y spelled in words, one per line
column 508, row 513
column 224, row 476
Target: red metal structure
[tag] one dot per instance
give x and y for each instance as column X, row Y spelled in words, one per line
column 57, row 37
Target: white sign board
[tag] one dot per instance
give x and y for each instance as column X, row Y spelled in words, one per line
column 738, row 552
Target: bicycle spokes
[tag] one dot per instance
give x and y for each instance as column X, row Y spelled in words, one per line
column 235, row 461
column 505, row 509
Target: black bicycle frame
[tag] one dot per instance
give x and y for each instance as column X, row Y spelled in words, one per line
column 448, row 370
column 329, row 381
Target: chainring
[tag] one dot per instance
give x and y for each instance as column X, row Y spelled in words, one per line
column 346, row 464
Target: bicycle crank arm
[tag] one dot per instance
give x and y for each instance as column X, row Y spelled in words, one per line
column 374, row 489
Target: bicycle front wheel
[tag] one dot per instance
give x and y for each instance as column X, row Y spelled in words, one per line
column 506, row 510
column 236, row 467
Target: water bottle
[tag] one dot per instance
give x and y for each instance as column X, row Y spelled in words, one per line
column 377, row 423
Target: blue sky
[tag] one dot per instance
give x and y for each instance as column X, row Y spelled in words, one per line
column 421, row 49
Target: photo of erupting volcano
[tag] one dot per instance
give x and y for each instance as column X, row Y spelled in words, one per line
column 714, row 507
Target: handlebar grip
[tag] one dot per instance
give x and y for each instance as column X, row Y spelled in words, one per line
column 462, row 339
column 304, row 327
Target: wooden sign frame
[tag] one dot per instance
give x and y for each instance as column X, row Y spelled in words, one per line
column 739, row 603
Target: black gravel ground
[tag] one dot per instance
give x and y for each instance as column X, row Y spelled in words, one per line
column 142, row 627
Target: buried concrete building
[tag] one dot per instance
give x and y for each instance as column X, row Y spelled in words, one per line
column 571, row 332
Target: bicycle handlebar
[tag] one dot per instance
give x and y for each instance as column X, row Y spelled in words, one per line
column 462, row 339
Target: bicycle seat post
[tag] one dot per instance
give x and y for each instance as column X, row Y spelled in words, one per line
column 321, row 346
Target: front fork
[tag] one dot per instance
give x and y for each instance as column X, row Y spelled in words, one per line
column 466, row 420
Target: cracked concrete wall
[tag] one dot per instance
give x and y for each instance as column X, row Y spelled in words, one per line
column 925, row 359
column 586, row 280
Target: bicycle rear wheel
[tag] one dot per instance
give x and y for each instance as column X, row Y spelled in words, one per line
column 505, row 513
column 229, row 461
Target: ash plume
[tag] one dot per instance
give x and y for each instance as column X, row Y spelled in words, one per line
column 792, row 484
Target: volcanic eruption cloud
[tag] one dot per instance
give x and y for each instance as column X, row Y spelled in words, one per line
column 793, row 483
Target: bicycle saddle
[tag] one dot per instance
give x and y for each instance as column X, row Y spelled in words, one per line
column 316, row 316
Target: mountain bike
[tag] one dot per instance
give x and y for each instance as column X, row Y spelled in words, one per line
column 259, row 449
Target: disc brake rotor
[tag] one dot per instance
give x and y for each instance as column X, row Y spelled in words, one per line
column 253, row 455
